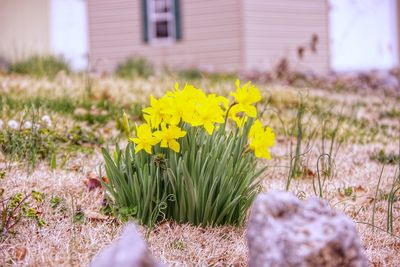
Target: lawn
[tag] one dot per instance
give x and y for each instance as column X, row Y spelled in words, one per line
column 340, row 145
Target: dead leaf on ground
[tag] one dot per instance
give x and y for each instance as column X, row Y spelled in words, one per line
column 105, row 179
column 364, row 201
column 92, row 181
column 309, row 173
column 163, row 226
column 20, row 253
column 360, row 189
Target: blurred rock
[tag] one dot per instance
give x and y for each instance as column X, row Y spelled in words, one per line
column 128, row 251
column 285, row 231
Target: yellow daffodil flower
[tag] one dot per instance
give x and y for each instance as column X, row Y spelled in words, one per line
column 208, row 112
column 256, row 128
column 145, row 139
column 155, row 114
column 168, row 136
column 245, row 98
column 181, row 105
column 260, row 140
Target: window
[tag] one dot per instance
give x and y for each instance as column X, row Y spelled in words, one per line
column 161, row 20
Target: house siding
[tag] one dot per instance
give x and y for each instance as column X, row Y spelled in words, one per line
column 398, row 30
column 210, row 35
column 24, row 28
column 274, row 30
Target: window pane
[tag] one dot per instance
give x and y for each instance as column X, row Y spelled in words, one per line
column 161, row 29
column 162, row 6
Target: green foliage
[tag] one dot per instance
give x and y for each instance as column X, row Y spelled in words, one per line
column 392, row 114
column 62, row 105
column 40, row 66
column 348, row 191
column 386, row 158
column 79, row 136
column 196, row 74
column 29, row 144
column 78, row 217
column 134, row 67
column 58, row 205
column 391, row 199
column 55, row 202
column 295, row 168
column 190, row 74
column 178, row 244
column 213, row 181
column 307, row 123
column 34, row 138
column 25, row 145
column 93, row 111
column 17, row 207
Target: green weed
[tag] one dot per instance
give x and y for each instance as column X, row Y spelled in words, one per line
column 17, row 207
column 386, row 158
column 40, row 66
column 392, row 114
column 134, row 67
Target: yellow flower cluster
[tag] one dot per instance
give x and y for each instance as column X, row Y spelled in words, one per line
column 261, row 139
column 193, row 107
column 189, row 105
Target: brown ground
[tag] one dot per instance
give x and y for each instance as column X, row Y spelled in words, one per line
column 64, row 243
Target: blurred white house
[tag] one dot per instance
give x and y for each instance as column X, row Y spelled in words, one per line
column 314, row 35
column 58, row 27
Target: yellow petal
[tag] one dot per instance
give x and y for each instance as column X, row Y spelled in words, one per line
column 138, row 148
column 251, row 111
column 174, row 145
column 237, row 83
column 164, row 143
column 134, row 140
column 153, row 101
column 153, row 141
column 148, row 149
column 209, row 127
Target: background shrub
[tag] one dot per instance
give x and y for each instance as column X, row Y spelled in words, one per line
column 40, row 66
column 134, row 67
column 190, row 74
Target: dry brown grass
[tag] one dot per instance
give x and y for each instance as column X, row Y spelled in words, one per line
column 65, row 243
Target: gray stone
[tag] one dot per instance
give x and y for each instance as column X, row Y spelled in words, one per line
column 285, row 231
column 129, row 250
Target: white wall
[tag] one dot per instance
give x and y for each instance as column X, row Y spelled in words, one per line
column 68, row 31
column 24, row 28
column 363, row 35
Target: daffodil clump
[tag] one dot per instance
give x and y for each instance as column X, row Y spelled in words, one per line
column 194, row 158
column 191, row 107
